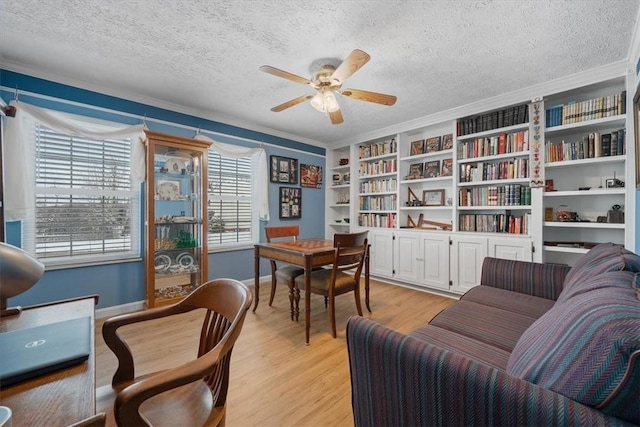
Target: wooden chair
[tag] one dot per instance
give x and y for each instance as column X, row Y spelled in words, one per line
column 194, row 393
column 284, row 273
column 350, row 252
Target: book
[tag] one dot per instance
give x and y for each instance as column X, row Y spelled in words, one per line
column 447, row 142
column 417, row 147
column 432, row 144
column 614, row 143
column 597, row 144
column 447, row 167
column 605, row 142
column 432, row 169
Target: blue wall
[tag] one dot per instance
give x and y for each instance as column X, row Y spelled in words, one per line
column 123, row 283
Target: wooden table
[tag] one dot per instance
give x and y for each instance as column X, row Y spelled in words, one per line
column 306, row 253
column 62, row 397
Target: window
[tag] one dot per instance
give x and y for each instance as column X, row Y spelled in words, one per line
column 229, row 201
column 85, row 208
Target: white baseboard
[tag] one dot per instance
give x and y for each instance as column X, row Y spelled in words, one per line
column 116, row 310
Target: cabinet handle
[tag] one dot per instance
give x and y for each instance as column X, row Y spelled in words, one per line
column 419, row 259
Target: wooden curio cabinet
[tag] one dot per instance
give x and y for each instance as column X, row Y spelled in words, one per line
column 175, row 217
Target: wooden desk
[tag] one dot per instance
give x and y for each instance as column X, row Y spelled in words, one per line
column 306, row 253
column 62, row 397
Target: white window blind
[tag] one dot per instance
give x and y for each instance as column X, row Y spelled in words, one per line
column 229, row 200
column 85, row 206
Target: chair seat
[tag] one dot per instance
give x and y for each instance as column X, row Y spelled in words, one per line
column 320, row 281
column 289, row 272
column 189, row 405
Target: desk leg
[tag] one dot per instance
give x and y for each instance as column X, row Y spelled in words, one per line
column 307, row 297
column 256, row 280
column 366, row 280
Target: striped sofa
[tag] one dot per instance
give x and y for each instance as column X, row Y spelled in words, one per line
column 533, row 345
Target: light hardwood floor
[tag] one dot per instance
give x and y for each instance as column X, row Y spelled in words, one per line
column 275, row 379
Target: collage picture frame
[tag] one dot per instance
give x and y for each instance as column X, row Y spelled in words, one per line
column 290, row 203
column 283, row 170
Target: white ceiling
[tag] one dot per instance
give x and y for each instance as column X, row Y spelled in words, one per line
column 202, row 57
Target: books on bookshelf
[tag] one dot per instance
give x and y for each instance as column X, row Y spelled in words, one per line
column 495, row 195
column 489, row 171
column 388, row 220
column 377, row 167
column 378, row 149
column 511, row 116
column 596, row 108
column 378, row 203
column 495, row 223
column 502, row 143
column 592, row 145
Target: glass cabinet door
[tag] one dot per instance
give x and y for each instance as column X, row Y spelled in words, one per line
column 176, row 223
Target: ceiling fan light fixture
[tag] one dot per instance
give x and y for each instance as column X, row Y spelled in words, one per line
column 325, row 101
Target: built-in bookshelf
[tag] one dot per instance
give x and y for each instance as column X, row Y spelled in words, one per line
column 338, row 195
column 585, row 200
column 475, row 184
column 378, row 184
column 493, row 178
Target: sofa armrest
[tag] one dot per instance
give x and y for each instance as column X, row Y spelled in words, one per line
column 531, row 278
column 400, row 380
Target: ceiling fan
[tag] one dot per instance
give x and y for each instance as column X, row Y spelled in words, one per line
column 327, row 81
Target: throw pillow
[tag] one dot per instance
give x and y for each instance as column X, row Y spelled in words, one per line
column 588, row 349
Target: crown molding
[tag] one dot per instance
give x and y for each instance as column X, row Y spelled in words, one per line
column 158, row 103
column 562, row 84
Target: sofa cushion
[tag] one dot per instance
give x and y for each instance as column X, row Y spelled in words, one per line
column 474, row 349
column 588, row 348
column 491, row 325
column 515, row 302
column 600, row 259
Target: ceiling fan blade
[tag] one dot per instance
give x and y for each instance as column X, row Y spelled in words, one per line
column 284, row 74
column 363, row 95
column 336, row 117
column 291, row 103
column 350, row 65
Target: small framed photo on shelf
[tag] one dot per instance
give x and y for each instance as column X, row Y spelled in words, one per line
column 432, row 169
column 433, row 197
column 447, row 167
column 432, row 144
column 416, row 171
column 310, row 176
column 447, row 142
column 290, row 203
column 284, row 170
column 417, row 147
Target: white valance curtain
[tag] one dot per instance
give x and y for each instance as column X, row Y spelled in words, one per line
column 259, row 164
column 19, row 151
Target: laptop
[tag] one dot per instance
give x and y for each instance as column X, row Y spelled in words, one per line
column 32, row 352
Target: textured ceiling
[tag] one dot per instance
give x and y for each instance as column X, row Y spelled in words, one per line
column 202, row 56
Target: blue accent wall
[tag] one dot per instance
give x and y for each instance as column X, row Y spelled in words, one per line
column 123, row 283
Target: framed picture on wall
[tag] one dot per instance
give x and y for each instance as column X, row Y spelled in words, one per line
column 310, row 176
column 284, row 170
column 290, row 203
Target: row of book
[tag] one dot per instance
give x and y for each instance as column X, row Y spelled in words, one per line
column 376, row 168
column 379, row 185
column 378, row 149
column 378, row 203
column 592, row 109
column 377, row 220
column 495, row 195
column 503, row 143
column 481, row 171
column 494, row 120
column 495, row 223
column 590, row 146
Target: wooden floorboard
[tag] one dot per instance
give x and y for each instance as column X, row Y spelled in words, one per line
column 276, row 380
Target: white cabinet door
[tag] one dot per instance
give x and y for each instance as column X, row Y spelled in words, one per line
column 467, row 255
column 514, row 249
column 381, row 255
column 408, row 258
column 435, row 265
